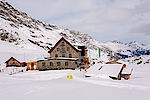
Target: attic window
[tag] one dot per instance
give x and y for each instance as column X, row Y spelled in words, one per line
column 13, row 63
column 63, row 43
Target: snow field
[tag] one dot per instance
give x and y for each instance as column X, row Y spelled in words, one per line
column 54, row 85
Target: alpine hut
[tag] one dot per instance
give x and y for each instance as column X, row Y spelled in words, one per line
column 64, row 55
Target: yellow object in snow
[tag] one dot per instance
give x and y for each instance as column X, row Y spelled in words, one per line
column 70, row 76
column 67, row 76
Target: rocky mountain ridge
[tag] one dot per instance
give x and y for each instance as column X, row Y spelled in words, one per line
column 17, row 28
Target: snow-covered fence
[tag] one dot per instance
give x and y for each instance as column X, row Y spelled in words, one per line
column 14, row 70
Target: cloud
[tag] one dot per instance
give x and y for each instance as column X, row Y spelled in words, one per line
column 109, row 19
column 142, row 29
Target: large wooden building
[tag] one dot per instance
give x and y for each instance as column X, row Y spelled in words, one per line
column 64, row 56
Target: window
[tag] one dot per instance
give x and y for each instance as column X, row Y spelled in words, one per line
column 63, row 44
column 32, row 64
column 58, row 49
column 58, row 64
column 63, row 55
column 82, row 60
column 43, row 63
column 51, row 63
column 68, row 49
column 56, row 55
column 63, row 49
column 70, row 55
column 13, row 63
column 82, row 53
column 66, row 63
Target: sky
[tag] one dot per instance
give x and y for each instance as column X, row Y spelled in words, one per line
column 104, row 20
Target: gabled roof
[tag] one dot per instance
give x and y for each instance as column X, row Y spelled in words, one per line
column 10, row 59
column 62, row 39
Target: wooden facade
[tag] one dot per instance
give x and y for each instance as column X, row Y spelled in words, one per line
column 113, row 62
column 64, row 56
column 13, row 62
column 32, row 66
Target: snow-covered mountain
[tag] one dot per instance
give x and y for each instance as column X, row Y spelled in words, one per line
column 27, row 34
column 19, row 29
column 127, row 50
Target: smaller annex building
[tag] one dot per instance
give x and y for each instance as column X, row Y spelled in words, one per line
column 12, row 62
column 113, row 71
column 32, row 66
column 64, row 56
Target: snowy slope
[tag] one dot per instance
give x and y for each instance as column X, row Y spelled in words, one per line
column 19, row 29
column 24, row 32
column 54, row 85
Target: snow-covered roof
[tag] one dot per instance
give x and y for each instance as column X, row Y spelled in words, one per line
column 104, row 70
column 111, row 69
column 62, row 58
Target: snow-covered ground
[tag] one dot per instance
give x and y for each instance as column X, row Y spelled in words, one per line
column 54, row 85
